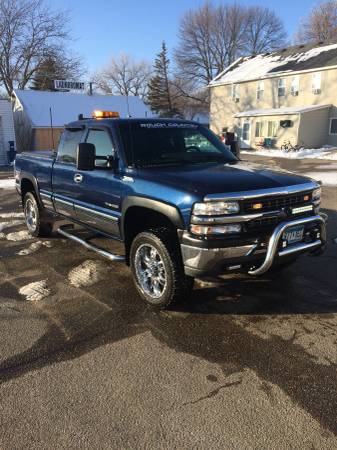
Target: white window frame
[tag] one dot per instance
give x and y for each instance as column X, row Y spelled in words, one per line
column 235, row 92
column 330, row 122
column 261, row 128
column 316, row 83
column 246, row 122
column 281, row 84
column 260, row 90
column 274, row 127
column 295, row 85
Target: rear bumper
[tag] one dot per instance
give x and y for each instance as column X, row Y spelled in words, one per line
column 254, row 258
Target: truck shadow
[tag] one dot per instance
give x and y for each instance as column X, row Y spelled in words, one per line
column 207, row 327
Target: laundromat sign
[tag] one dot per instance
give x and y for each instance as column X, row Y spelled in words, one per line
column 65, row 85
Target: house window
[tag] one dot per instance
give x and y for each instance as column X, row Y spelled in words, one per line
column 316, row 83
column 260, row 90
column 259, row 129
column 246, row 130
column 235, row 92
column 295, row 85
column 333, row 125
column 281, row 87
column 272, row 128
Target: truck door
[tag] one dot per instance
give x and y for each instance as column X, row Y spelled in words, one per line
column 98, row 192
column 64, row 171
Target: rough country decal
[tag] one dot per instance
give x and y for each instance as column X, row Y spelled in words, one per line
column 168, row 125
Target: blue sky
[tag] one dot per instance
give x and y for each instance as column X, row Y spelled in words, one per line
column 107, row 27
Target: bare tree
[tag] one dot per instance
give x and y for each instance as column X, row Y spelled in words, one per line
column 212, row 37
column 125, row 76
column 28, row 31
column 264, row 31
column 320, row 24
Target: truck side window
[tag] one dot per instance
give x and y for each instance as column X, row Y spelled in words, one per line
column 68, row 146
column 102, row 143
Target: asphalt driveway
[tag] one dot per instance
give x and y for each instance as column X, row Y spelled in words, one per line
column 248, row 363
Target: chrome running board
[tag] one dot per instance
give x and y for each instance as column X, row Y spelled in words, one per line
column 272, row 249
column 86, row 244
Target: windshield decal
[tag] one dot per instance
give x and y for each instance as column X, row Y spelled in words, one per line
column 168, row 125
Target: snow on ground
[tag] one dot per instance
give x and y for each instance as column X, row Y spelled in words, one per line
column 87, row 273
column 7, row 184
column 34, row 247
column 327, row 178
column 35, row 291
column 19, row 236
column 10, row 224
column 312, row 153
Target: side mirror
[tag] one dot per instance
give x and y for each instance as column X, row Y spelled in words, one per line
column 85, row 156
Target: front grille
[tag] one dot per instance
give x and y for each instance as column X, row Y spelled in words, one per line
column 277, row 203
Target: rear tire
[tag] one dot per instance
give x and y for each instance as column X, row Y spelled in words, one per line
column 157, row 269
column 35, row 217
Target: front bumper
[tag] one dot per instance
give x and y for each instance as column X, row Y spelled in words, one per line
column 254, row 258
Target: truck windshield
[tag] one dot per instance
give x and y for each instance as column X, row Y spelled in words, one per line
column 164, row 143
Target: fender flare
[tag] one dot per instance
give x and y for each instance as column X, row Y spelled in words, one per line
column 33, row 180
column 168, row 210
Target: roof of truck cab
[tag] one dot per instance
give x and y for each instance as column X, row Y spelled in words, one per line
column 113, row 121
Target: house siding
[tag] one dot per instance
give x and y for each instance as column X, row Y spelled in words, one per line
column 223, row 108
column 7, row 124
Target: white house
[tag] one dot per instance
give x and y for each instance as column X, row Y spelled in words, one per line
column 7, row 133
column 37, row 110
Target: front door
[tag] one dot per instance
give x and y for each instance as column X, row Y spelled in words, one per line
column 245, row 135
column 97, row 198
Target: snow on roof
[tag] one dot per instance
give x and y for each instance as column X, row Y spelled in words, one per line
column 281, row 111
column 292, row 59
column 66, row 106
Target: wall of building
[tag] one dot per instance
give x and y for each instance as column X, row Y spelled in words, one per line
column 223, row 107
column 313, row 128
column 7, row 129
column 42, row 138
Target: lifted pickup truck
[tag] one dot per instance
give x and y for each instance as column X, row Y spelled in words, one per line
column 181, row 203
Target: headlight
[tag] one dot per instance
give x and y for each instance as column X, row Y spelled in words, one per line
column 316, row 194
column 216, row 230
column 215, row 208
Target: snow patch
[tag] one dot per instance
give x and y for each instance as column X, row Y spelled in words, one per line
column 311, row 153
column 13, row 223
column 12, row 215
column 35, row 291
column 87, row 273
column 7, row 184
column 34, row 247
column 19, row 236
column 327, row 178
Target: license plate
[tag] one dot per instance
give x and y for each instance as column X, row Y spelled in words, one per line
column 293, row 234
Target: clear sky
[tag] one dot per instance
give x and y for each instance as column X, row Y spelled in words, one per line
column 103, row 28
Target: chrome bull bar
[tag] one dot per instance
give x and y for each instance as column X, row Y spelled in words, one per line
column 273, row 243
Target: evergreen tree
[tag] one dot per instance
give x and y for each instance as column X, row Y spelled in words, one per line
column 160, row 96
column 47, row 72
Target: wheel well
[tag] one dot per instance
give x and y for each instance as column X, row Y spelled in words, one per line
column 26, row 186
column 138, row 219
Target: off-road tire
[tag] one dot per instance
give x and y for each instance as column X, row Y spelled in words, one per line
column 178, row 286
column 39, row 225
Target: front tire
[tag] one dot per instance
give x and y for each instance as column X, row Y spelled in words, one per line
column 157, row 269
column 35, row 217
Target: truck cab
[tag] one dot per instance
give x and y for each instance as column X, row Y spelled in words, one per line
column 179, row 200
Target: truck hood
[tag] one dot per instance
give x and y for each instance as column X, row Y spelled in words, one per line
column 212, row 178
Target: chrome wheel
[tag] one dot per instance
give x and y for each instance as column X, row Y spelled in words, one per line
column 150, row 271
column 30, row 215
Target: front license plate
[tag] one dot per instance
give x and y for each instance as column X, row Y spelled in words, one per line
column 293, row 234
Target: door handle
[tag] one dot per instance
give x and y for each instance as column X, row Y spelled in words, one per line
column 78, row 178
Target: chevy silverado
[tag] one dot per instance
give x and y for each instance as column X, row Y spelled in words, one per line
column 179, row 200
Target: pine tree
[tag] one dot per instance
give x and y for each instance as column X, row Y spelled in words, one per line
column 160, row 96
column 53, row 67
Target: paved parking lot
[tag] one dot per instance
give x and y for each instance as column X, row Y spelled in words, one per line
column 246, row 364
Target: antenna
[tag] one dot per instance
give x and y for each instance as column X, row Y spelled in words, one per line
column 52, row 129
column 127, row 105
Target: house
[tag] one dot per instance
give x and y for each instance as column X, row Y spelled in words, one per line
column 7, row 134
column 288, row 95
column 41, row 115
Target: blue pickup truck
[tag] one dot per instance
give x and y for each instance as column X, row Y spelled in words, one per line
column 179, row 200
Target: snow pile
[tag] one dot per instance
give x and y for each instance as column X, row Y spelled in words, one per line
column 312, row 153
column 19, row 236
column 87, row 273
column 326, row 177
column 7, row 184
column 12, row 215
column 34, row 247
column 35, row 291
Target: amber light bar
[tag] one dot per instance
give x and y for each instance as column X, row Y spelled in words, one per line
column 97, row 114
